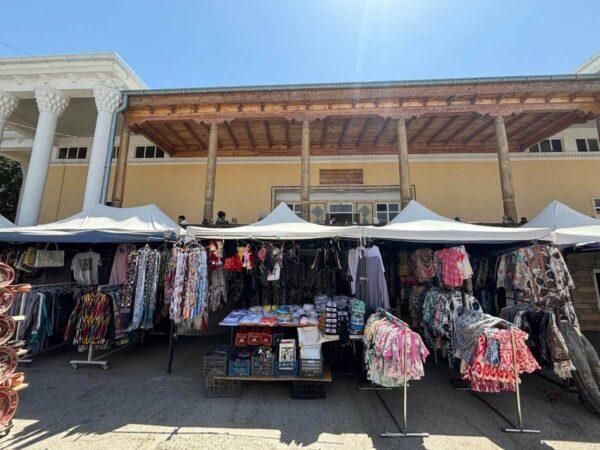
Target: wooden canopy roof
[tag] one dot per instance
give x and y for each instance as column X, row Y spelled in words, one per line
column 452, row 116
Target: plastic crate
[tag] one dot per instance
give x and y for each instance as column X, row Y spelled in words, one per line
column 215, row 361
column 239, row 367
column 311, row 368
column 286, row 371
column 308, row 390
column 263, row 366
column 222, row 388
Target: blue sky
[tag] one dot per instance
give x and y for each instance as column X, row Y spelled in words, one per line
column 214, row 43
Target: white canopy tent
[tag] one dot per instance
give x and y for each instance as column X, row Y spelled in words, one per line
column 416, row 223
column 100, row 224
column 281, row 223
column 5, row 223
column 569, row 227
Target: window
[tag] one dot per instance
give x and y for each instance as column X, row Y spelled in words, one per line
column 72, row 153
column 548, row 145
column 587, row 145
column 342, row 212
column 296, row 208
column 115, row 152
column 149, row 151
column 386, row 212
column 597, row 206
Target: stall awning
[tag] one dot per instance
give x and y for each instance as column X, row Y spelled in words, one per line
column 5, row 223
column 100, row 224
column 281, row 223
column 416, row 223
column 569, row 227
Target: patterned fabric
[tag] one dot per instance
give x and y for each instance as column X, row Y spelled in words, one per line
column 90, row 320
column 422, row 265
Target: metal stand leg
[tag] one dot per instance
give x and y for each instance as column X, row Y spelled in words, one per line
column 172, row 341
column 519, row 428
column 403, row 429
column 90, row 360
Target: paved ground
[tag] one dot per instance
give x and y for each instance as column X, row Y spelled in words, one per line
column 135, row 404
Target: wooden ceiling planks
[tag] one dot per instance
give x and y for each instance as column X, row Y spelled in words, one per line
column 347, row 121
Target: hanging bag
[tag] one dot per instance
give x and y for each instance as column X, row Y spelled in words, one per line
column 49, row 258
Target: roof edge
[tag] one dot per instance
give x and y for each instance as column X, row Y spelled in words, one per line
column 369, row 84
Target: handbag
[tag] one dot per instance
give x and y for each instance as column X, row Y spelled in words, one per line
column 29, row 257
column 49, row 258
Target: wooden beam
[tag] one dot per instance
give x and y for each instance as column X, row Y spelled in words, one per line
column 555, row 126
column 268, row 133
column 231, row 135
column 421, row 130
column 509, row 123
column 363, row 131
column 170, row 130
column 488, row 121
column 395, row 138
column 529, row 124
column 151, row 134
column 381, row 131
column 286, row 127
column 207, row 128
column 344, row 130
column 470, row 121
column 249, row 133
column 507, row 185
column 324, row 132
column 190, row 130
column 443, row 128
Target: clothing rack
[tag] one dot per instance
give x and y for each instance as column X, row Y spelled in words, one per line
column 518, row 428
column 91, row 360
column 28, row 357
column 404, row 426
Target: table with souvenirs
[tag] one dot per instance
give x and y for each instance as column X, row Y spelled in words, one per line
column 264, row 347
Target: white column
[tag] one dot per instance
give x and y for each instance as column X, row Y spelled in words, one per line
column 51, row 104
column 107, row 102
column 24, row 169
column 8, row 103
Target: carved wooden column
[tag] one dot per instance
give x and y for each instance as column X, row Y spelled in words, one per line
column 403, row 168
column 305, row 171
column 121, row 170
column 506, row 178
column 211, row 173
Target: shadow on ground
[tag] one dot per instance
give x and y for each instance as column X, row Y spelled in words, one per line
column 136, row 404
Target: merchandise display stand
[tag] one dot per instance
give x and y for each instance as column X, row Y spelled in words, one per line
column 518, row 428
column 404, row 426
column 29, row 356
column 93, row 361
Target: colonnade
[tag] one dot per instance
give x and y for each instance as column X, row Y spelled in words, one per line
column 506, row 179
column 52, row 103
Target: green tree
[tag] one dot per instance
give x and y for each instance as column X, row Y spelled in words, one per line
column 11, row 178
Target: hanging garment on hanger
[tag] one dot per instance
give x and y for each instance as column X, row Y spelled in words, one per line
column 118, row 273
column 85, row 268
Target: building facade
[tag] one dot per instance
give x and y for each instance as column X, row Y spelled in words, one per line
column 85, row 129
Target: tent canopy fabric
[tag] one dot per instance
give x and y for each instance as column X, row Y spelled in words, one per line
column 100, row 224
column 416, row 223
column 5, row 223
column 569, row 227
column 281, row 223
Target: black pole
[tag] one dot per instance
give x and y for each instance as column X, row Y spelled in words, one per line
column 172, row 340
